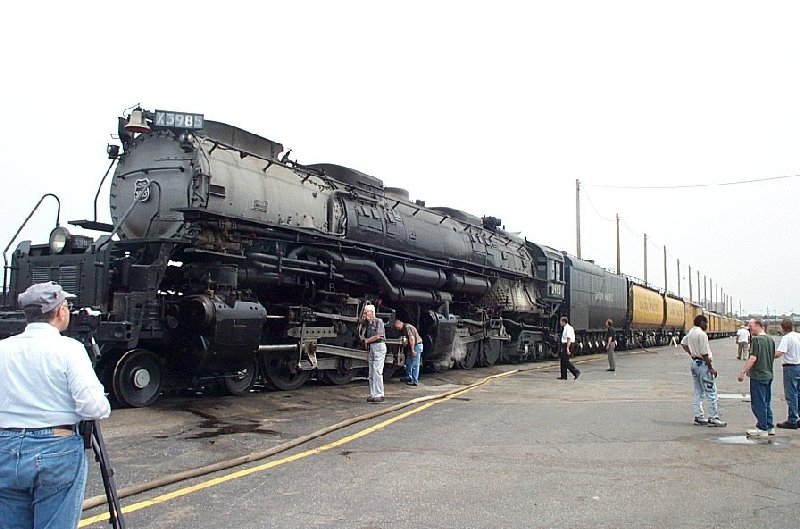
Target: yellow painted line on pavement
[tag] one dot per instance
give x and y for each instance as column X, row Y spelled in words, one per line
column 272, row 464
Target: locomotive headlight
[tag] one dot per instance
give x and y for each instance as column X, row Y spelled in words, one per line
column 186, row 141
column 112, row 151
column 59, row 238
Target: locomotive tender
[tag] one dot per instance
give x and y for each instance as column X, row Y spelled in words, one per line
column 231, row 260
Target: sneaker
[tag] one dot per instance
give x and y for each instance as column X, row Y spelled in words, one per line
column 716, row 423
column 577, row 374
column 755, row 432
column 788, row 425
column 700, row 421
column 771, row 431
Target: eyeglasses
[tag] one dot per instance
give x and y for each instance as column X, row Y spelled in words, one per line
column 69, row 305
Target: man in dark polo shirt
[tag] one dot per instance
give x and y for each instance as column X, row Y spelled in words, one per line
column 759, row 368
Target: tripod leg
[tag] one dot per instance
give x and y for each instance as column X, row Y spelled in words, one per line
column 107, row 472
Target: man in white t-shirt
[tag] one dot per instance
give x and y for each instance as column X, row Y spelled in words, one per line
column 703, row 373
column 789, row 353
column 743, row 341
column 564, row 353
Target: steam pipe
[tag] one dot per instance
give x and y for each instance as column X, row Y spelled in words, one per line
column 125, row 217
column 102, row 180
column 395, row 293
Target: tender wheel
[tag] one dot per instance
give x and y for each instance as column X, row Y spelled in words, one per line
column 240, row 383
column 137, row 378
column 491, row 353
column 281, row 372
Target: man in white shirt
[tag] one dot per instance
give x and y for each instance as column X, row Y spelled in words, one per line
column 564, row 353
column 743, row 341
column 48, row 386
column 703, row 373
column 789, row 353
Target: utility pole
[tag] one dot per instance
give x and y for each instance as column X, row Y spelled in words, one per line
column 710, row 304
column 698, row 287
column 690, row 283
column 618, row 248
column 679, row 277
column 665, row 269
column 705, row 291
column 645, row 258
column 578, row 215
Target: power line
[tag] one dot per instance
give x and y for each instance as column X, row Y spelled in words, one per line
column 649, row 241
column 687, row 186
column 591, row 203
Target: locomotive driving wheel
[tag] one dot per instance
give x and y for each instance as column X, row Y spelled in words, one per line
column 240, row 383
column 340, row 376
column 389, row 371
column 137, row 378
column 491, row 352
column 472, row 351
column 282, row 372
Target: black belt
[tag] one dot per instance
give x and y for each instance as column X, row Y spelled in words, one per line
column 791, row 365
column 698, row 361
column 59, row 427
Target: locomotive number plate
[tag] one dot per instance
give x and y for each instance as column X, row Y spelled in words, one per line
column 178, row 120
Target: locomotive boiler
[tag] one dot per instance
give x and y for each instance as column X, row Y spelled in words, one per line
column 227, row 260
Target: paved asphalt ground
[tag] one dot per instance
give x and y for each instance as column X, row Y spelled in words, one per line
column 610, row 450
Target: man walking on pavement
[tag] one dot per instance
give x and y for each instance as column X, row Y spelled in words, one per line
column 567, row 339
column 743, row 341
column 703, row 373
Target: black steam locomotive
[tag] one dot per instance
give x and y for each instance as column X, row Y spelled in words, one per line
column 231, row 261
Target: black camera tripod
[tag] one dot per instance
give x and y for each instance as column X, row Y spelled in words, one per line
column 93, row 437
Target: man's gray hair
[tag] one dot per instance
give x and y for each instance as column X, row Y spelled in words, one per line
column 369, row 307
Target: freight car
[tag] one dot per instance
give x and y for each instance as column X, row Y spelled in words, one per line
column 642, row 315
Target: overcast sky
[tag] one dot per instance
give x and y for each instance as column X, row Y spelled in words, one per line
column 495, row 108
